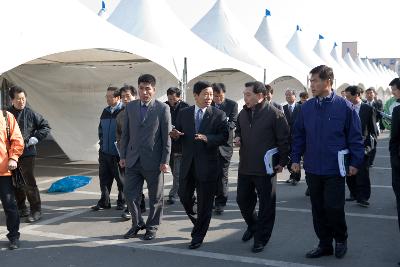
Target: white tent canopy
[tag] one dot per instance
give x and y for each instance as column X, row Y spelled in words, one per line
column 69, row 88
column 267, row 38
column 230, row 37
column 155, row 22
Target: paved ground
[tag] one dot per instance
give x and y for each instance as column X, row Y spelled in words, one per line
column 70, row 234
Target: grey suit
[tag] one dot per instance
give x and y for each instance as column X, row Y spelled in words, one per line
column 145, row 145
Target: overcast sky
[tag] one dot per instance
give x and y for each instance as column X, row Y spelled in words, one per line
column 373, row 24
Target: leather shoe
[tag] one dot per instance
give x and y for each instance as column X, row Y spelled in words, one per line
column 34, row 216
column 133, row 231
column 126, row 215
column 14, row 244
column 258, row 247
column 247, row 235
column 219, row 210
column 170, row 201
column 340, row 249
column 149, row 235
column 319, row 252
column 23, row 212
column 363, row 203
column 195, row 244
column 98, row 207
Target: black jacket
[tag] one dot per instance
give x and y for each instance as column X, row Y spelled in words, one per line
column 176, row 146
column 230, row 108
column 394, row 142
column 31, row 124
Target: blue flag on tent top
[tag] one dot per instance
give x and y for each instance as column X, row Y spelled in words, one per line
column 267, row 13
column 335, row 44
column 321, row 37
column 103, row 5
column 298, row 28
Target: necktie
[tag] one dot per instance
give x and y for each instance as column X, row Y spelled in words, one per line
column 198, row 119
column 143, row 111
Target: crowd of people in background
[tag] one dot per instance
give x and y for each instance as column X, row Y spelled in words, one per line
column 142, row 138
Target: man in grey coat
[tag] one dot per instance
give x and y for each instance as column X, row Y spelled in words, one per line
column 145, row 152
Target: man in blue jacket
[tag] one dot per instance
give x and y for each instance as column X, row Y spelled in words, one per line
column 108, row 154
column 325, row 125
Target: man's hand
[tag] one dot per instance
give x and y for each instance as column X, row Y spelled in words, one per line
column 12, row 164
column 122, row 163
column 164, row 168
column 200, row 137
column 295, row 167
column 175, row 134
column 236, row 141
column 352, row 171
column 278, row 168
column 32, row 141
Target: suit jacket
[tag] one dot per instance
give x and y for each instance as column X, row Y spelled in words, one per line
column 176, row 147
column 148, row 139
column 291, row 118
column 394, row 142
column 276, row 105
column 230, row 108
column 368, row 123
column 203, row 155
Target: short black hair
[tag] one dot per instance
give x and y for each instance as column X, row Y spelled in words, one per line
column 200, row 86
column 324, row 73
column 269, row 89
column 303, row 95
column 354, row 90
column 115, row 90
column 258, row 87
column 174, row 91
column 16, row 90
column 147, row 78
column 218, row 87
column 127, row 88
column 293, row 92
column 395, row 82
column 371, row 89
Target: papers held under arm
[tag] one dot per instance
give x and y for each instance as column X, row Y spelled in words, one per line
column 344, row 161
column 271, row 159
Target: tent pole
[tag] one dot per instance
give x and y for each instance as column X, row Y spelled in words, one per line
column 265, row 76
column 184, row 79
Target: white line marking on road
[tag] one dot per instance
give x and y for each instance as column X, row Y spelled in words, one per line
column 381, row 168
column 66, row 167
column 165, row 249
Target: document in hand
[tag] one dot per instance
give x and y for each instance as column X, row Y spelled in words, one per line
column 116, row 146
column 344, row 161
column 271, row 159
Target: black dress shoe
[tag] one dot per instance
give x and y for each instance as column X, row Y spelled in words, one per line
column 363, row 203
column 98, row 207
column 23, row 212
column 247, row 235
column 34, row 217
column 340, row 249
column 126, row 215
column 195, row 244
column 319, row 252
column 307, row 193
column 14, row 244
column 219, row 210
column 133, row 231
column 149, row 235
column 170, row 201
column 258, row 247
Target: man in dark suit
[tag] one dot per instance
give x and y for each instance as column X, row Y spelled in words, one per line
column 303, row 97
column 201, row 129
column 394, row 145
column 370, row 96
column 260, row 127
column 268, row 96
column 291, row 110
column 360, row 184
column 176, row 104
column 145, row 152
column 230, row 108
